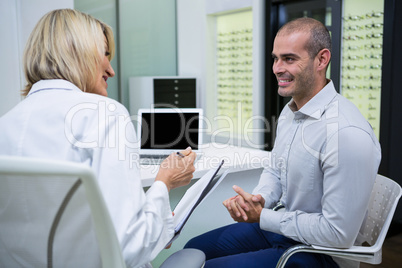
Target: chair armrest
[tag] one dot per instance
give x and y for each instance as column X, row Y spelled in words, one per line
column 185, row 258
column 355, row 253
column 353, row 249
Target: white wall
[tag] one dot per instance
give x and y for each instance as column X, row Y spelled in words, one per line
column 17, row 19
column 192, row 32
column 195, row 45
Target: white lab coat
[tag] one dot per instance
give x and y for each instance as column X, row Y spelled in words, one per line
column 59, row 121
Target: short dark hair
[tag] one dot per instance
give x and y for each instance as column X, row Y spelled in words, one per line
column 320, row 37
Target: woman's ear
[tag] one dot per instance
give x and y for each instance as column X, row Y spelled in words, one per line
column 324, row 56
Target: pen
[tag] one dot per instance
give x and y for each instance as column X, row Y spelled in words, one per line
column 180, row 154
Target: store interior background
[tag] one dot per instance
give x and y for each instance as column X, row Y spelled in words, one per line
column 181, row 38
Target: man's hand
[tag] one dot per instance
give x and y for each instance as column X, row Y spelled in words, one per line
column 244, row 207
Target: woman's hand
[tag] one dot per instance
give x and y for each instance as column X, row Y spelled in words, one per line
column 176, row 170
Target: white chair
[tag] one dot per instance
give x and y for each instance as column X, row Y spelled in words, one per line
column 57, row 183
column 382, row 205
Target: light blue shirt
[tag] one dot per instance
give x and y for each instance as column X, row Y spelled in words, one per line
column 323, row 166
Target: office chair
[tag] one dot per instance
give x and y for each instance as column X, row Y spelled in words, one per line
column 383, row 201
column 22, row 180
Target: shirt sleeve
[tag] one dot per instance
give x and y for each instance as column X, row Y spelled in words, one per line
column 269, row 187
column 349, row 174
column 143, row 222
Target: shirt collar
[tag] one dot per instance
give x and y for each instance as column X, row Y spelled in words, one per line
column 316, row 106
column 53, row 84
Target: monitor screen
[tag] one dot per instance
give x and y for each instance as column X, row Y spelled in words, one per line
column 170, row 130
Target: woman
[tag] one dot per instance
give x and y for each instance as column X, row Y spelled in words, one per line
column 67, row 116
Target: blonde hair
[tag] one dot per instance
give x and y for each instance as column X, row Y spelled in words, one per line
column 66, row 44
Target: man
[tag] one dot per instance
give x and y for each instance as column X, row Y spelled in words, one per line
column 325, row 160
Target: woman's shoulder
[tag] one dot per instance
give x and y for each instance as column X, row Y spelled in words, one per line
column 103, row 102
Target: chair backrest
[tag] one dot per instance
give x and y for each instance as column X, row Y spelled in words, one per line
column 382, row 205
column 52, row 213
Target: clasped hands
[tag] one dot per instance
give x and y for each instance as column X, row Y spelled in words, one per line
column 244, row 207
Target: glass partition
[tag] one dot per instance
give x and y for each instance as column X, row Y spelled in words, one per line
column 145, row 35
column 104, row 10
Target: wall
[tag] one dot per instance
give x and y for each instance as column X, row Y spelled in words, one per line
column 10, row 57
column 147, row 40
column 196, row 44
column 18, row 17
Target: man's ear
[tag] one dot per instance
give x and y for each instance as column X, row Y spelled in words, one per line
column 324, row 56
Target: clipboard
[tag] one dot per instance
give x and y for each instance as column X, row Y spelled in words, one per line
column 212, row 182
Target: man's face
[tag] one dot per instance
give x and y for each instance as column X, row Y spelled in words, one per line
column 293, row 67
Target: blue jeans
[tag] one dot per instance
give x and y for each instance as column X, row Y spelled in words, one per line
column 246, row 245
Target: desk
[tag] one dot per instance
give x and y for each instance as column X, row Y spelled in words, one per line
column 236, row 159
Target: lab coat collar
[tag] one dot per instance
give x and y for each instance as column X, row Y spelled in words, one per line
column 53, row 84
